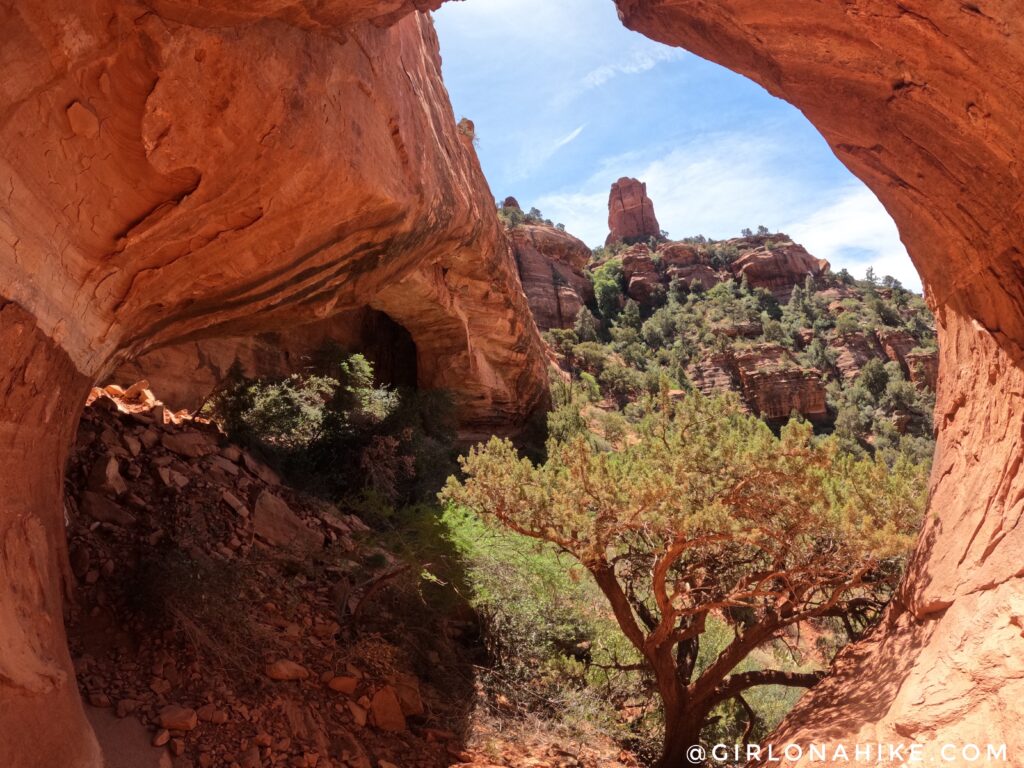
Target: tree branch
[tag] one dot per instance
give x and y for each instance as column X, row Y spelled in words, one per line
column 734, row 685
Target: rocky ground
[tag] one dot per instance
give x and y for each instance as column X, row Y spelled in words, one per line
column 243, row 624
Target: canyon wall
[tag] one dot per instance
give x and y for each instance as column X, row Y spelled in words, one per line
column 551, row 266
column 923, row 100
column 175, row 170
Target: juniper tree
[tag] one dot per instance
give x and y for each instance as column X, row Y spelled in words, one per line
column 706, row 513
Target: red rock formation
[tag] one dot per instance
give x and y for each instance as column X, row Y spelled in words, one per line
column 178, row 169
column 922, row 99
column 278, row 353
column 768, row 380
column 631, row 216
column 551, row 264
column 775, row 386
column 686, row 264
column 923, row 368
column 642, row 276
column 778, row 267
column 853, row 351
column 897, row 345
column 714, row 375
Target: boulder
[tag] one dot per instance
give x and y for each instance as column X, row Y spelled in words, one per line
column 386, row 710
column 105, row 477
column 276, row 523
column 178, row 718
column 285, row 670
column 190, row 444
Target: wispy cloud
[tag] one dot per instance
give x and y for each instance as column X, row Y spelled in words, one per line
column 642, row 60
column 535, row 156
column 571, row 137
column 724, row 182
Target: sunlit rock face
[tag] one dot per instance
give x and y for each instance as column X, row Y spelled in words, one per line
column 551, row 264
column 175, row 170
column 923, row 100
column 631, row 216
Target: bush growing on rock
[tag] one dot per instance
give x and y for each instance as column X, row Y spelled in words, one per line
column 320, row 424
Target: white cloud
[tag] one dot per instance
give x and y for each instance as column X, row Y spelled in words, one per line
column 532, row 158
column 642, row 60
column 569, row 138
column 714, row 186
column 856, row 232
column 724, row 182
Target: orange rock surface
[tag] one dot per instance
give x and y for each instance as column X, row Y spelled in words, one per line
column 175, row 170
column 551, row 264
column 922, row 99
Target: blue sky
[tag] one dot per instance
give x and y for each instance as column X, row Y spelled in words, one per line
column 566, row 100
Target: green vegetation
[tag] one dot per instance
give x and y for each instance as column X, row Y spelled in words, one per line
column 651, row 573
column 707, row 514
column 319, row 424
column 830, row 326
column 512, row 216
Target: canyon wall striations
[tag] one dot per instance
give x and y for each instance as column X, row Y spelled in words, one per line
column 175, row 170
column 922, row 99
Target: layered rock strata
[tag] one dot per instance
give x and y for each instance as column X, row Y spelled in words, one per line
column 922, row 99
column 175, row 170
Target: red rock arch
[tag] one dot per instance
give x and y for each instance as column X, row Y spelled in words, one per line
column 924, row 101
column 175, row 170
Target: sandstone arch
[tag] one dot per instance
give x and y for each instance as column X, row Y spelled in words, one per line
column 175, row 170
column 146, row 200
column 924, row 101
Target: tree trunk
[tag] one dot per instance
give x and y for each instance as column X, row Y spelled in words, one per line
column 681, row 733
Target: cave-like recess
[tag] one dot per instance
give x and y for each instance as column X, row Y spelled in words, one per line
column 177, row 168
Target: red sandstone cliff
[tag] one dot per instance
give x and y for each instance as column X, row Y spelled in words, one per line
column 922, row 99
column 176, row 169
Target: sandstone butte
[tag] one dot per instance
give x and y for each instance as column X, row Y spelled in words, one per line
column 631, row 216
column 180, row 169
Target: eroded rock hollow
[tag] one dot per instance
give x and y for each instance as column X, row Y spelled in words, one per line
column 176, row 170
column 923, row 100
